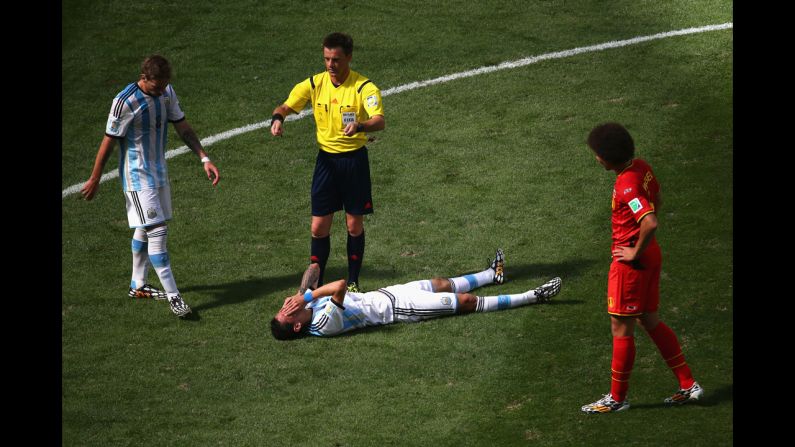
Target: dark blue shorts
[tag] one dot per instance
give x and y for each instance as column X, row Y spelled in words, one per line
column 342, row 180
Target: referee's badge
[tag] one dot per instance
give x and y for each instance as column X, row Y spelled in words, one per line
column 446, row 300
column 372, row 101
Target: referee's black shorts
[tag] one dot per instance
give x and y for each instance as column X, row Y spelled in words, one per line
column 342, row 180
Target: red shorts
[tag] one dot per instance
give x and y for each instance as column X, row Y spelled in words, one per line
column 634, row 288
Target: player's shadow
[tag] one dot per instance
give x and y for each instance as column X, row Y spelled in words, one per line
column 236, row 292
column 710, row 399
column 568, row 269
column 365, row 330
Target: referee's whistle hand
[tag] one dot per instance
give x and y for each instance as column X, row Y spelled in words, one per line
column 350, row 129
column 276, row 129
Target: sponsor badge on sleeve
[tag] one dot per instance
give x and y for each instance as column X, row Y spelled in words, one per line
column 635, row 205
column 372, row 101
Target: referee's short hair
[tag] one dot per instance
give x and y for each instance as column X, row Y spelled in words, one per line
column 341, row 40
column 612, row 142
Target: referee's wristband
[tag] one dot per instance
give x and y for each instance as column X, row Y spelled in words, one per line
column 360, row 127
column 308, row 296
column 277, row 117
column 205, row 159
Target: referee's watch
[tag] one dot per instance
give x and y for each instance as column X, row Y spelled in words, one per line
column 360, row 127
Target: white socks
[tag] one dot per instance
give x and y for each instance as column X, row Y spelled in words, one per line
column 158, row 255
column 492, row 303
column 140, row 256
column 463, row 284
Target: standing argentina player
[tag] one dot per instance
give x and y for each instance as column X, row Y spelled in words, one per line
column 138, row 121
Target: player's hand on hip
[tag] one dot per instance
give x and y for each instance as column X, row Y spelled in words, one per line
column 624, row 254
column 90, row 188
column 212, row 172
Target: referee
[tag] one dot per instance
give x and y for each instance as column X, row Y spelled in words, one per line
column 346, row 106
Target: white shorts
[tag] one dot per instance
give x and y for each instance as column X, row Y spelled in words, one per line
column 412, row 302
column 148, row 207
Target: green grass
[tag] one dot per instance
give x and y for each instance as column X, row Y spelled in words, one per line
column 462, row 168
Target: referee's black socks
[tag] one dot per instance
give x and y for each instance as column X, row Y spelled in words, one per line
column 355, row 255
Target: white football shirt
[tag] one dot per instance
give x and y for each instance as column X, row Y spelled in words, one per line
column 139, row 121
column 358, row 310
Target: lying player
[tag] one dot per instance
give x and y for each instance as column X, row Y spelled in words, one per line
column 331, row 310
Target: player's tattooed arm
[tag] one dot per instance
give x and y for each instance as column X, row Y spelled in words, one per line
column 190, row 138
column 311, row 275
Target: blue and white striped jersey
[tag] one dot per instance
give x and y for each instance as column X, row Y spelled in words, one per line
column 358, row 310
column 139, row 121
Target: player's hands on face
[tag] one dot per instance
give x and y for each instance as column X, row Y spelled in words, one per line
column 276, row 128
column 90, row 188
column 293, row 304
column 212, row 172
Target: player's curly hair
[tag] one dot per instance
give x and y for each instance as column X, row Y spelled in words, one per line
column 612, row 142
column 341, row 40
column 284, row 331
column 156, row 67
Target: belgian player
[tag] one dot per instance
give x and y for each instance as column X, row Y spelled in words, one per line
column 633, row 288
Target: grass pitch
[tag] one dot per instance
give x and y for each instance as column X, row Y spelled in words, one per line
column 496, row 160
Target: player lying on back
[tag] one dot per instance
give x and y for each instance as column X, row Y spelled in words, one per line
column 331, row 310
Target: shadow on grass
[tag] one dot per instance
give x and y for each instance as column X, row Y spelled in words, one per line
column 566, row 270
column 555, row 302
column 365, row 330
column 236, row 292
column 710, row 399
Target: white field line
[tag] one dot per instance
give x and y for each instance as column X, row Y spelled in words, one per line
column 420, row 84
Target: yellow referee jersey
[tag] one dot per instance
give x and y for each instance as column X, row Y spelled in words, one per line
column 357, row 99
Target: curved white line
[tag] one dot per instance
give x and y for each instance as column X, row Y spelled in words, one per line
column 420, row 84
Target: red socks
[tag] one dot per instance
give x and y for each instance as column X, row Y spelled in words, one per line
column 671, row 352
column 623, row 360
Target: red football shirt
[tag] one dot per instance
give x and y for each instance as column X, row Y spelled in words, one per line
column 634, row 196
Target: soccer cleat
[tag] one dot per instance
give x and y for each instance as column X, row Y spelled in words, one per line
column 178, row 306
column 498, row 265
column 353, row 287
column 147, row 291
column 606, row 405
column 548, row 290
column 683, row 396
